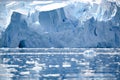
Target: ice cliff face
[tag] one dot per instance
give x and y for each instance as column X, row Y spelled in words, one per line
column 69, row 26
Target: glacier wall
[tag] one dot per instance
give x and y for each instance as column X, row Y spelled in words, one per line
column 73, row 26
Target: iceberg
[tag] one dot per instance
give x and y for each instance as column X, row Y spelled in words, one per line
column 60, row 24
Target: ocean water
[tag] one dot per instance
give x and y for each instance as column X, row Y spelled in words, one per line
column 60, row 64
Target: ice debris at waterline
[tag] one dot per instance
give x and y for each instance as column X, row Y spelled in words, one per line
column 60, row 64
column 59, row 24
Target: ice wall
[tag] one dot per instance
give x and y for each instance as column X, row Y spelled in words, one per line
column 55, row 29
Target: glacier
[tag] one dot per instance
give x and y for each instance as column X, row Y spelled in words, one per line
column 60, row 24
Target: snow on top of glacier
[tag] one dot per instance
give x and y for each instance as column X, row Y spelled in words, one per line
column 50, row 6
column 40, row 2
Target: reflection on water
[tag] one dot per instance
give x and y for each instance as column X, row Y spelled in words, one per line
column 59, row 64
